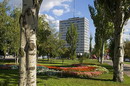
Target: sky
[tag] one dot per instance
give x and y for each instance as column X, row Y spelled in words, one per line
column 57, row 10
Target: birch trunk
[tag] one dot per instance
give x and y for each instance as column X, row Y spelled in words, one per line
column 118, row 56
column 28, row 50
column 22, row 63
column 102, row 53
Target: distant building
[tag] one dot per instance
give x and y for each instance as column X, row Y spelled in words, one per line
column 82, row 29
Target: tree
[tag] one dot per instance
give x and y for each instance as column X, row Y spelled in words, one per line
column 111, row 48
column 127, row 49
column 5, row 27
column 48, row 41
column 90, row 45
column 15, row 33
column 104, row 29
column 28, row 49
column 118, row 12
column 43, row 32
column 63, row 53
column 71, row 38
column 9, row 29
column 53, row 45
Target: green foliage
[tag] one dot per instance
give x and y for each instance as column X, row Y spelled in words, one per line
column 113, row 8
column 111, row 48
column 48, row 41
column 71, row 38
column 9, row 29
column 127, row 49
column 104, row 28
column 90, row 46
column 82, row 58
column 4, row 27
column 15, row 35
column 43, row 33
column 118, row 13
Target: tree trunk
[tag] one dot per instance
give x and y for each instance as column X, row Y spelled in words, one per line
column 22, row 63
column 102, row 53
column 28, row 50
column 118, row 56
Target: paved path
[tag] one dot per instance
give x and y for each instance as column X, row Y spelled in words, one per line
column 126, row 67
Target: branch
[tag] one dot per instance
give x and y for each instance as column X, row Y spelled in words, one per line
column 40, row 2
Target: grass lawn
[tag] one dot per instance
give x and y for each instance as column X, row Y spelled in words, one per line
column 11, row 77
column 127, row 62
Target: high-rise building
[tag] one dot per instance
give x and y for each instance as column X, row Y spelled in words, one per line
column 82, row 29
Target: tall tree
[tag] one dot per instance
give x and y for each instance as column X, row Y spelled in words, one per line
column 48, row 41
column 43, row 32
column 127, row 49
column 119, row 13
column 28, row 49
column 104, row 29
column 5, row 27
column 71, row 38
column 90, row 45
column 15, row 33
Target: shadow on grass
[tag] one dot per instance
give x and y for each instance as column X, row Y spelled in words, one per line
column 44, row 77
column 8, row 77
column 49, row 63
column 100, row 79
column 110, row 68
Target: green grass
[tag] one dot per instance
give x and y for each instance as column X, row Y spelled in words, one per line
column 127, row 62
column 11, row 77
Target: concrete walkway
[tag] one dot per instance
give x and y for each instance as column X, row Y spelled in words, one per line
column 126, row 67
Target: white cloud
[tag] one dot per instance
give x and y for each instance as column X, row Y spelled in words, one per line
column 58, row 12
column 127, row 31
column 126, row 36
column 49, row 17
column 78, row 13
column 15, row 3
column 53, row 22
column 48, row 5
column 67, row 8
column 127, row 27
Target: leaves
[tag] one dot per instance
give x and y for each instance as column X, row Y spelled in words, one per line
column 71, row 38
column 104, row 28
column 48, row 40
column 9, row 29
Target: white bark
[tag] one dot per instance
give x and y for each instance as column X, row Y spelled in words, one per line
column 118, row 56
column 28, row 50
column 22, row 64
column 102, row 53
column 32, row 61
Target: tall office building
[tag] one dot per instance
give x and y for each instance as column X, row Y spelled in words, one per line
column 82, row 29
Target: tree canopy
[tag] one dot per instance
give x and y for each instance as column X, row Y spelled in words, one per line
column 71, row 38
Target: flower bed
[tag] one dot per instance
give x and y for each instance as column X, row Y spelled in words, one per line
column 82, row 74
column 8, row 66
column 76, row 70
column 83, row 71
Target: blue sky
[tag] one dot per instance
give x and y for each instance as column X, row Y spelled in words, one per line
column 57, row 10
column 65, row 10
